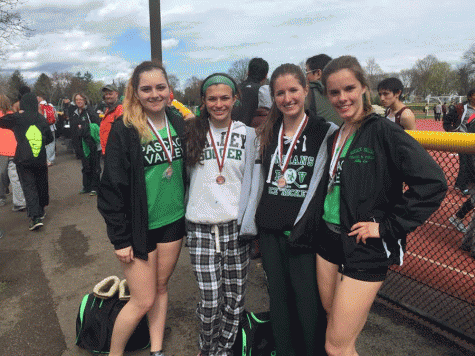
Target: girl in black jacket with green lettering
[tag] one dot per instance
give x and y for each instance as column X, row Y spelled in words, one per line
column 364, row 213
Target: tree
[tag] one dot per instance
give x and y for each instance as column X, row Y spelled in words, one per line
column 238, row 69
column 464, row 73
column 11, row 24
column 421, row 73
column 405, row 76
column 61, row 84
column 469, row 57
column 45, row 86
column 374, row 73
column 14, row 83
column 192, row 94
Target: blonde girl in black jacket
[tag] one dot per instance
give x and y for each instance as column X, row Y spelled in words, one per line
column 141, row 197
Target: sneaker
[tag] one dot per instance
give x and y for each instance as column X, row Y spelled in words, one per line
column 465, row 192
column 1, row 234
column 3, row 202
column 43, row 216
column 35, row 224
column 92, row 193
column 455, row 221
column 18, row 208
column 84, row 191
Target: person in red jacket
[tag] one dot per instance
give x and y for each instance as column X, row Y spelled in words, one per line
column 113, row 111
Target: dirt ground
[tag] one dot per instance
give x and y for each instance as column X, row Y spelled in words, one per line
column 44, row 275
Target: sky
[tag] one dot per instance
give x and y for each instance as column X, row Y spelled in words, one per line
column 108, row 38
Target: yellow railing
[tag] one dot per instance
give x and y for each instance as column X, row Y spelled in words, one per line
column 445, row 141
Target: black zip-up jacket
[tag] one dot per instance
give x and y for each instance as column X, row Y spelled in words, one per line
column 122, row 196
column 379, row 160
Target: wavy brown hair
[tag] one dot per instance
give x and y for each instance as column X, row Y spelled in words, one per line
column 197, row 128
column 134, row 115
column 265, row 132
column 352, row 64
column 5, row 104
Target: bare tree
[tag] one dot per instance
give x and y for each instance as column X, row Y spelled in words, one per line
column 374, row 73
column 238, row 69
column 192, row 95
column 11, row 24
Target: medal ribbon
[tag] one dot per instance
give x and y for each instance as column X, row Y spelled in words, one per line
column 168, row 153
column 280, row 147
column 225, row 148
column 335, row 156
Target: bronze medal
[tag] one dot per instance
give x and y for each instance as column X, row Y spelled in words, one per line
column 220, row 179
column 168, row 172
column 281, row 183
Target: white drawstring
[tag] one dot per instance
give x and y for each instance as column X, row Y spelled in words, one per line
column 216, row 237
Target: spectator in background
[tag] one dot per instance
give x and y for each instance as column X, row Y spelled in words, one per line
column 113, row 111
column 468, row 118
column 32, row 134
column 438, row 112
column 263, row 106
column 5, row 108
column 88, row 132
column 316, row 100
column 184, row 111
column 256, row 76
column 49, row 112
column 8, row 171
column 444, row 110
column 466, row 176
column 390, row 92
column 21, row 91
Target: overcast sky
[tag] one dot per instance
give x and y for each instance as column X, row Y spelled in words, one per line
column 109, row 37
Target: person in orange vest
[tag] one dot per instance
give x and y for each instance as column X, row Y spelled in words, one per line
column 113, row 111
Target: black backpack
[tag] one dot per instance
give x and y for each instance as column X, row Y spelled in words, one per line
column 254, row 336
column 95, row 322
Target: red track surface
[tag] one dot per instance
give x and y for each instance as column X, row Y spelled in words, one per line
column 433, row 256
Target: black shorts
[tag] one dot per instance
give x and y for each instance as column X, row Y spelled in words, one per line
column 168, row 233
column 330, row 248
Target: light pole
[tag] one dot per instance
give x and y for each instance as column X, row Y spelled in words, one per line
column 155, row 30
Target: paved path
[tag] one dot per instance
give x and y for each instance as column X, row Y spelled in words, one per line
column 44, row 274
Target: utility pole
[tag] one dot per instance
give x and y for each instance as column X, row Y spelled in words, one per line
column 155, row 30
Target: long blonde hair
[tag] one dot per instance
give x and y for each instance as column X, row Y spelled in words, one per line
column 134, row 114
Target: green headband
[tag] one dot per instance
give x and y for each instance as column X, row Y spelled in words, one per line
column 218, row 79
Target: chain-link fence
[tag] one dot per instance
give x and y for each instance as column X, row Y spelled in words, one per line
column 437, row 279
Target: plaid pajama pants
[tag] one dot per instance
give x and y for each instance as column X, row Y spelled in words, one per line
column 221, row 266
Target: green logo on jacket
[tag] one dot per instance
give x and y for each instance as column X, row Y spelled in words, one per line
column 361, row 155
column 35, row 138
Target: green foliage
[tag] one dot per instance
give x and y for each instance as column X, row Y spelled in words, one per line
column 14, row 83
column 44, row 86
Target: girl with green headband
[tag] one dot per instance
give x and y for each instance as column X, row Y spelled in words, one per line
column 220, row 156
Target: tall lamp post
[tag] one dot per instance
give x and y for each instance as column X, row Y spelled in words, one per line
column 155, row 30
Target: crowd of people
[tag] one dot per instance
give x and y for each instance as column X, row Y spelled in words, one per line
column 300, row 171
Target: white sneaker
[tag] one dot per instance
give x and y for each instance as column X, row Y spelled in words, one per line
column 455, row 221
